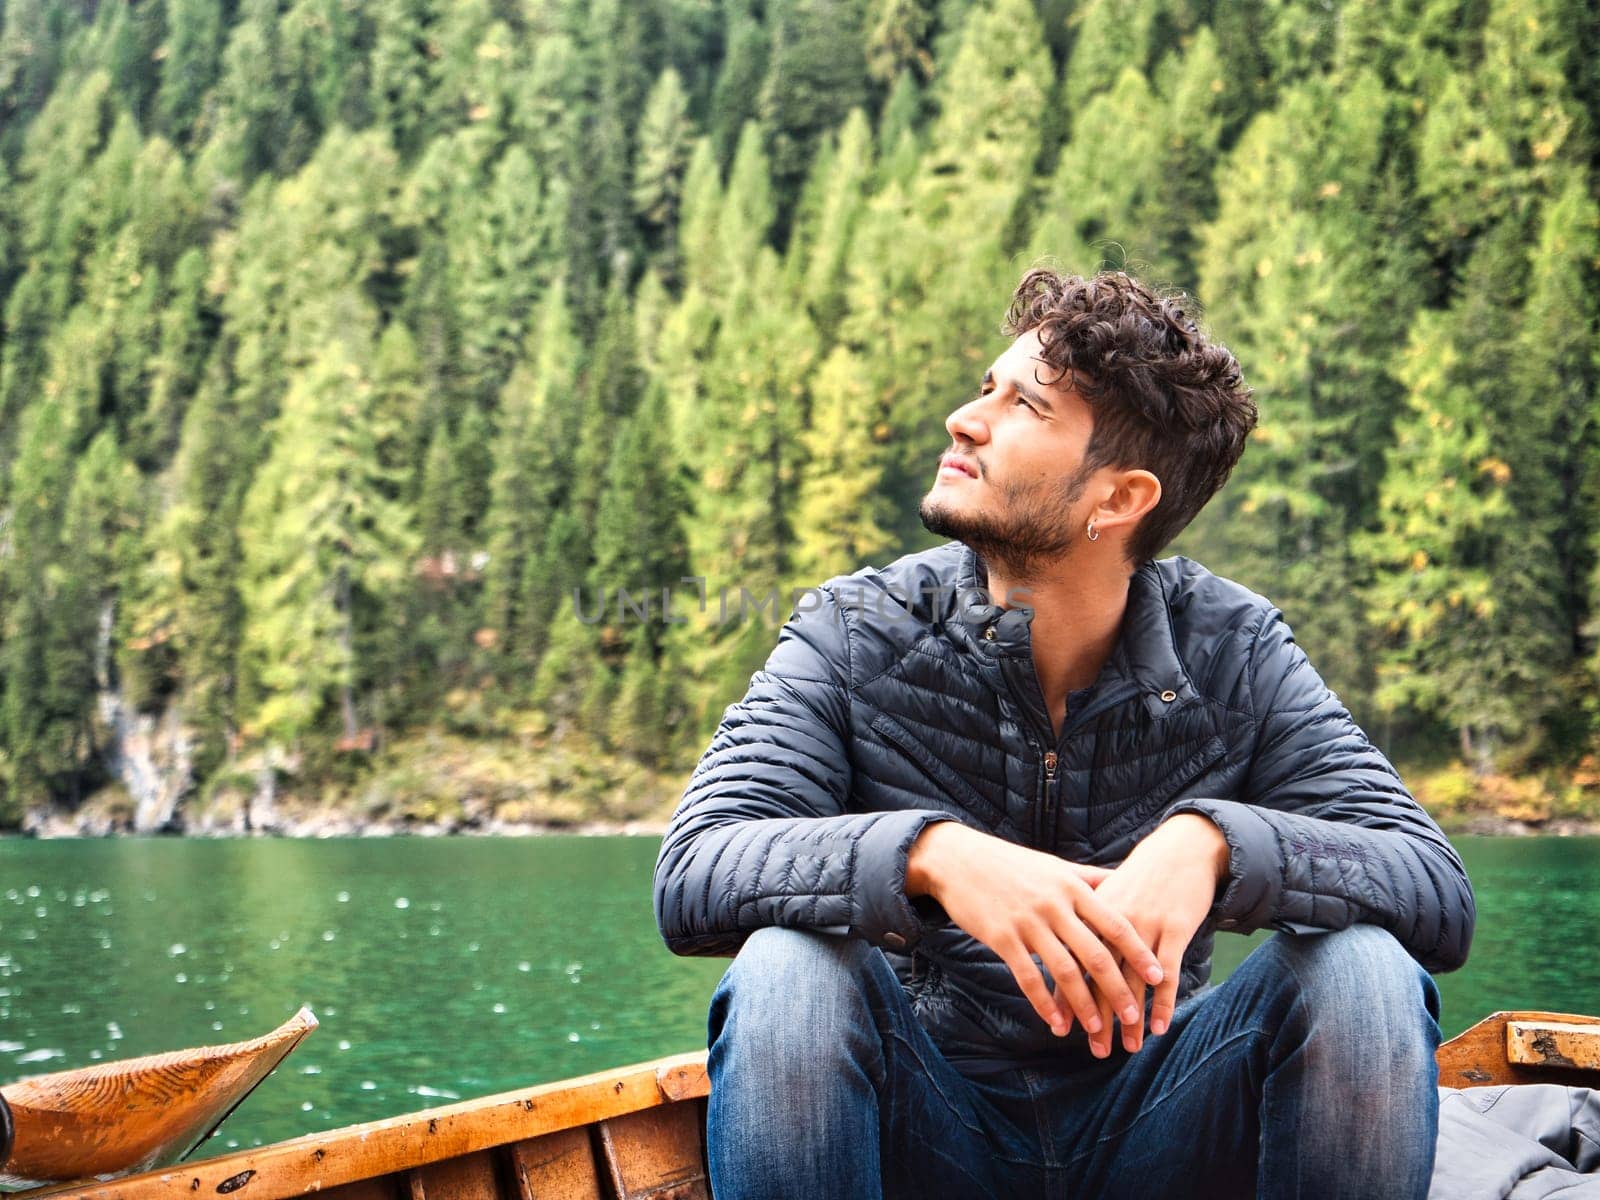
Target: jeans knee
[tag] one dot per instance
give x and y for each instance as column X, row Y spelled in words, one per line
column 788, row 987
column 794, row 967
column 1360, row 988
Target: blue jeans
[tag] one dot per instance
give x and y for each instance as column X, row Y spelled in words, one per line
column 1308, row 1072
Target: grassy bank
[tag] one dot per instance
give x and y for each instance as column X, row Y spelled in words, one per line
column 1547, row 802
column 531, row 779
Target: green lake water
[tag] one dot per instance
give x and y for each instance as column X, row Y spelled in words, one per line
column 443, row 969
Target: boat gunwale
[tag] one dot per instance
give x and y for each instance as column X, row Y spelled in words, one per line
column 353, row 1153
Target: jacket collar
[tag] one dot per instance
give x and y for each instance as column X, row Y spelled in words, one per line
column 1145, row 651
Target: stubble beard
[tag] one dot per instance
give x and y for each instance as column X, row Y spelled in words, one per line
column 1024, row 532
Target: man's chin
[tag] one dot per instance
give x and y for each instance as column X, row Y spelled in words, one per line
column 946, row 520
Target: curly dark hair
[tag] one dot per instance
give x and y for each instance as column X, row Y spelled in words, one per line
column 1165, row 398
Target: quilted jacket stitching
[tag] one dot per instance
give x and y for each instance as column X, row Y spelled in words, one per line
column 982, row 749
column 1211, row 753
column 996, row 816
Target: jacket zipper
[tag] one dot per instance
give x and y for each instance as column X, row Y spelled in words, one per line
column 1043, row 809
column 1031, row 703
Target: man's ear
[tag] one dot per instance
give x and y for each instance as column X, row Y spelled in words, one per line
column 1133, row 494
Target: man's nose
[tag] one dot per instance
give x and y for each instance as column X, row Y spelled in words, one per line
column 967, row 422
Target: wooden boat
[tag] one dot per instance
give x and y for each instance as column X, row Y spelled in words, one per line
column 133, row 1114
column 1523, row 1047
column 638, row 1133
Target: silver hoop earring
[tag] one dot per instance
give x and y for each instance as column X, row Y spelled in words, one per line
column 1093, row 536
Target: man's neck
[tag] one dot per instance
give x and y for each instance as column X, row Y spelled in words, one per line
column 1078, row 604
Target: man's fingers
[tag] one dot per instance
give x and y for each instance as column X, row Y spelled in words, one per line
column 1102, row 966
column 1166, row 999
column 1068, row 977
column 1026, row 972
column 1100, row 1043
column 1118, row 934
column 1133, row 1031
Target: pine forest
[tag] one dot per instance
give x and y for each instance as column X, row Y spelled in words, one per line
column 376, row 375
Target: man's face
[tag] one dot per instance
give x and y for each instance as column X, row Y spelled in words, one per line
column 1021, row 507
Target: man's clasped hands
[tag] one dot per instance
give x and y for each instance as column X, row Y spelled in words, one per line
column 1104, row 935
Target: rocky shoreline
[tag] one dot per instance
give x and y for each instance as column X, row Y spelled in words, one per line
column 1494, row 825
column 530, row 781
column 90, row 823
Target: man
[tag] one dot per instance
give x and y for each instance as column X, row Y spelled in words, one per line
column 973, row 825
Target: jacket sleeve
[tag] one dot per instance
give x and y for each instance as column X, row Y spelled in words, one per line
column 763, row 835
column 1326, row 834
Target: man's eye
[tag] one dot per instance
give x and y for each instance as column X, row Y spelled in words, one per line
column 1025, row 404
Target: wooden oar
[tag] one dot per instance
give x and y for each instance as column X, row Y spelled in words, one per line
column 135, row 1114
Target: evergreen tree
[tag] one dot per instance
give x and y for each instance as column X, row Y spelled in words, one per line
column 125, row 38
column 328, row 43
column 474, row 458
column 840, row 517
column 550, row 579
column 568, row 668
column 1130, row 184
column 816, row 73
column 256, row 130
column 930, row 267
column 752, row 412
column 32, row 38
column 325, row 548
column 665, row 141
column 896, row 36
column 184, row 618
column 398, row 403
column 748, row 210
column 526, row 485
column 399, row 70
column 190, row 64
column 898, row 126
column 1111, row 36
column 1560, row 376
column 608, row 392
column 45, row 703
column 97, row 543
column 702, row 210
column 639, row 542
column 175, row 371
column 1433, row 595
column 504, row 263
column 744, row 67
column 638, row 718
column 824, row 242
column 1305, row 269
column 1552, row 401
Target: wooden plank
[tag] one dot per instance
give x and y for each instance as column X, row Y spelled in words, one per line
column 656, row 1154
column 466, row 1177
column 558, row 1166
column 381, row 1188
column 1554, row 1044
column 1478, row 1057
column 684, row 1080
column 335, row 1157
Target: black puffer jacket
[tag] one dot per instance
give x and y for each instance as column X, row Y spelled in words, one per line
column 906, row 698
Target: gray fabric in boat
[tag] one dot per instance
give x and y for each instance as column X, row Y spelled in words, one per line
column 1527, row 1142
